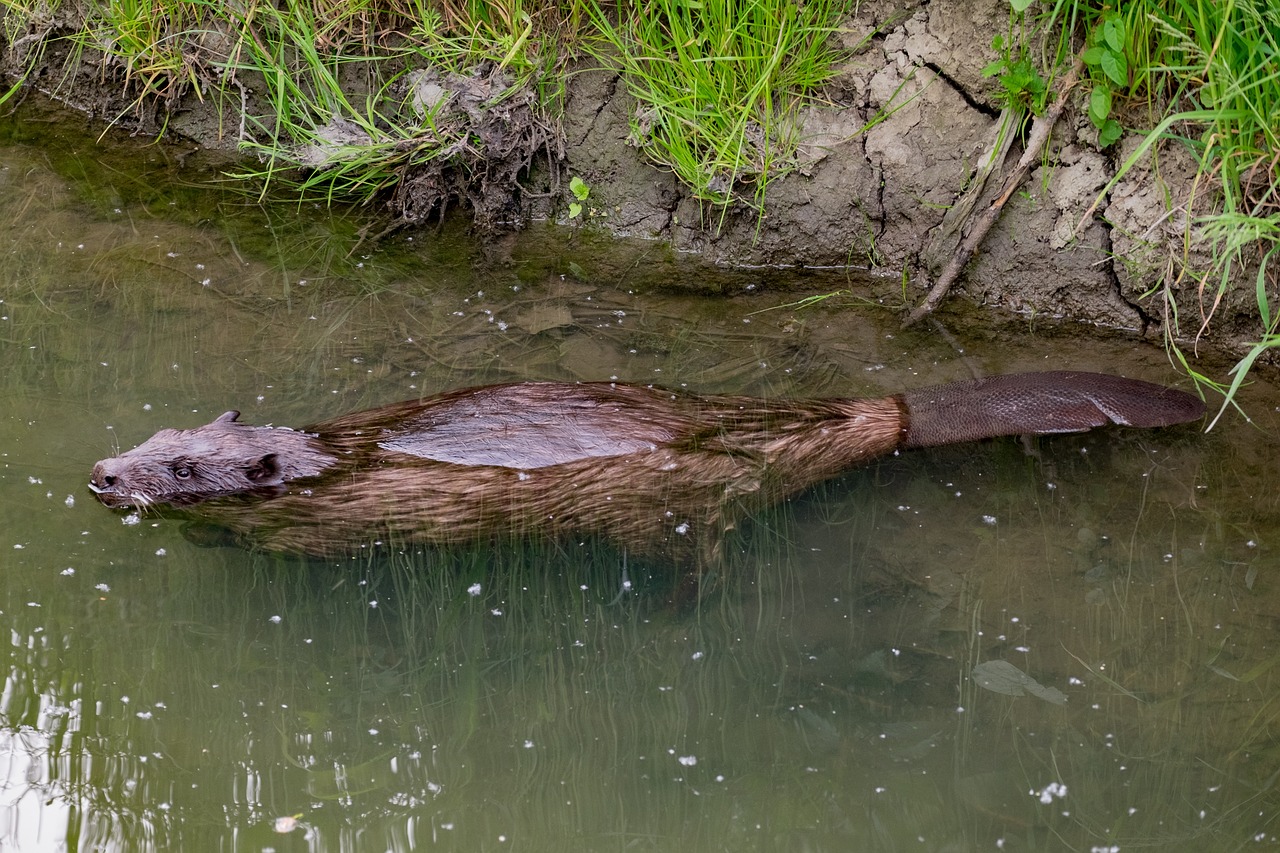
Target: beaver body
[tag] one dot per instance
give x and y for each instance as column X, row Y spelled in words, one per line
column 653, row 470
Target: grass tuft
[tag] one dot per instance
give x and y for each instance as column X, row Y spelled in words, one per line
column 719, row 84
column 339, row 124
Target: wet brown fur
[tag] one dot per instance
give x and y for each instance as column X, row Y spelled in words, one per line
column 653, row 470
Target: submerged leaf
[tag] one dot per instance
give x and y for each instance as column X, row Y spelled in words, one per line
column 1000, row 676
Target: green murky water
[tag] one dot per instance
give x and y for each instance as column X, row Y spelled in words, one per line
column 839, row 691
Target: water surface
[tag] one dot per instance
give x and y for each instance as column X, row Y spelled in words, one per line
column 845, row 686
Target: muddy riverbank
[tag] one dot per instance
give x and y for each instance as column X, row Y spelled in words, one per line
column 884, row 169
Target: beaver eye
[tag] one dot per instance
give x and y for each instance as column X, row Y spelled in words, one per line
column 182, row 472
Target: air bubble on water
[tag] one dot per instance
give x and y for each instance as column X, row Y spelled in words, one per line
column 285, row 824
column 1050, row 792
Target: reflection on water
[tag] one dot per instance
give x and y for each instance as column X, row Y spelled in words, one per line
column 160, row 695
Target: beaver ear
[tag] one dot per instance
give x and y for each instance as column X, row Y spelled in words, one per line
column 266, row 471
column 227, row 417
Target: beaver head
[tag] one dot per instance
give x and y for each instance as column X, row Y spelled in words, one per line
column 181, row 467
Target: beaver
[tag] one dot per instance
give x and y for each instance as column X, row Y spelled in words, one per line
column 653, row 470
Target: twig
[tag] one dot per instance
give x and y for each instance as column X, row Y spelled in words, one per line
column 1036, row 140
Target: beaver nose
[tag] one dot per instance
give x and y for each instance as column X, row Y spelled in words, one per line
column 101, row 477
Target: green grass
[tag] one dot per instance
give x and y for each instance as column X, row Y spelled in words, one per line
column 338, row 113
column 1233, row 53
column 346, row 147
column 719, row 83
column 148, row 40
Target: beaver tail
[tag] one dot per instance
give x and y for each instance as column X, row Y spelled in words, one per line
column 1039, row 404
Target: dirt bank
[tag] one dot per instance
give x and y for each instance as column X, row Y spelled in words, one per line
column 880, row 198
column 906, row 121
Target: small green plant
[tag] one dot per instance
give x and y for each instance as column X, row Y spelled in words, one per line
column 581, row 192
column 1105, row 57
column 1021, row 84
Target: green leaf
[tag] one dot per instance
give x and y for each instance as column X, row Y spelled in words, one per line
column 1110, row 132
column 1114, row 33
column 579, row 188
column 1022, row 76
column 1099, row 104
column 1093, row 55
column 575, row 210
column 1020, row 6
column 994, row 68
column 1116, row 68
column 1109, row 35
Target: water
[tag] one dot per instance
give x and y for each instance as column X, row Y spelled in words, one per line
column 839, row 689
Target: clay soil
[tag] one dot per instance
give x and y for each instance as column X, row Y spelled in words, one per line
column 890, row 151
